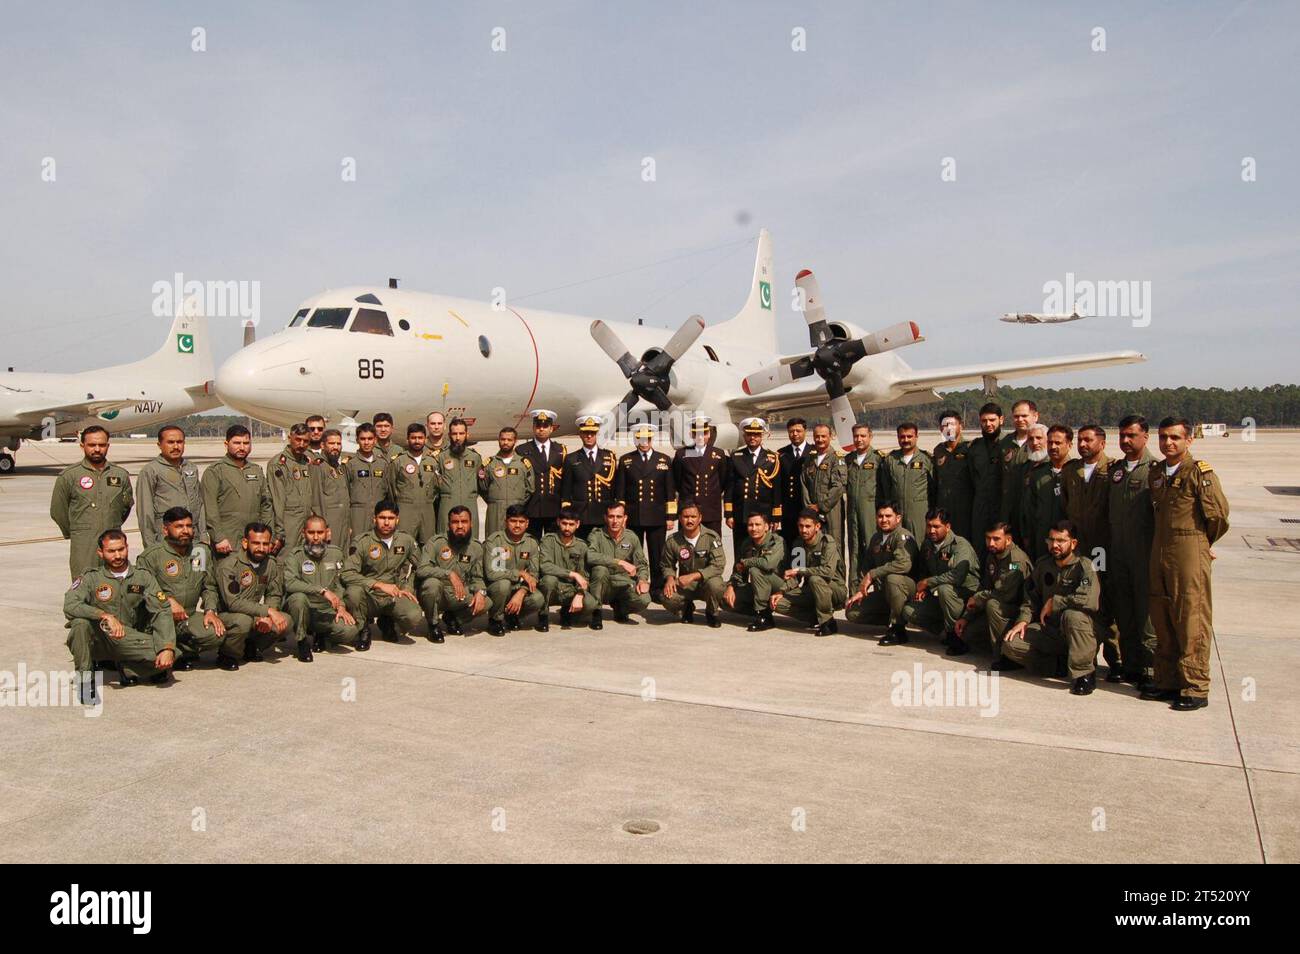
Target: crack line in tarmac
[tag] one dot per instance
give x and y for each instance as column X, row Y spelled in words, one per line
column 1250, row 791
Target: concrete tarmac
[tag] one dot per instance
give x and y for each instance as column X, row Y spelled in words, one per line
column 657, row 742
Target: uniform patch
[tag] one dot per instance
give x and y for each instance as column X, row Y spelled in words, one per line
column 171, row 568
column 246, row 578
column 113, row 481
column 196, row 561
column 379, row 472
column 409, row 468
column 135, row 588
column 308, row 566
column 1118, row 475
column 86, row 482
column 374, row 551
column 1158, row 482
column 685, row 553
column 75, row 583
column 444, row 553
column 450, row 464
column 297, row 475
column 104, row 592
column 251, row 476
column 398, row 548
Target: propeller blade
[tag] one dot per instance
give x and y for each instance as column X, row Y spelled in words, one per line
column 612, row 345
column 684, row 337
column 895, row 336
column 843, row 417
column 819, row 332
column 776, row 375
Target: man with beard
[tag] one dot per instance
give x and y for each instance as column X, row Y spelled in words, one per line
column 385, row 446
column 292, row 495
column 756, row 574
column 814, row 586
column 504, row 480
column 909, row 479
column 511, row 567
column 888, row 564
column 701, row 474
column 118, row 611
column 413, row 479
column 989, row 612
column 458, row 470
column 985, row 460
column 169, row 480
column 950, row 577
column 89, row 498
column 954, row 488
column 1132, row 528
column 865, row 467
column 1041, row 507
column 692, row 567
column 1059, row 618
column 367, row 474
column 315, row 449
column 620, row 574
column 1085, row 496
column 1027, row 477
column 791, row 458
column 313, row 580
column 587, row 484
column 450, row 576
column 181, row 567
column 566, row 580
column 246, row 591
column 645, row 484
column 547, row 458
column 823, row 481
column 235, row 493
column 379, row 574
column 329, row 475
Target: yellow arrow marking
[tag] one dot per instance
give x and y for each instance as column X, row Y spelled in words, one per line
column 431, row 337
column 458, row 317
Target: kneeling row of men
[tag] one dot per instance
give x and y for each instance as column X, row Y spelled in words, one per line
column 146, row 618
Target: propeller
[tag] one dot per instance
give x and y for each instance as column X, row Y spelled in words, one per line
column 831, row 359
column 649, row 375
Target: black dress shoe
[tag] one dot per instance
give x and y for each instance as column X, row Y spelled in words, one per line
column 125, row 680
column 1154, row 693
column 566, row 618
column 712, row 620
column 252, row 653
column 363, row 639
column 762, row 622
column 496, row 627
column 621, row 615
column 512, row 621
column 688, row 614
column 1113, row 674
column 1003, row 664
column 161, row 678
column 187, row 662
column 228, row 663
column 1082, row 686
column 828, row 628
column 453, row 624
column 896, row 636
column 387, row 629
column 597, row 619
column 321, row 644
column 543, row 622
column 1190, row 703
column 304, row 650
column 435, row 633
column 958, row 646
column 1135, row 679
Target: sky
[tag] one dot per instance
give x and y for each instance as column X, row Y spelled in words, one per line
column 524, row 168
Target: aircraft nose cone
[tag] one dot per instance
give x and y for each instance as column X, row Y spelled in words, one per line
column 271, row 381
column 236, row 379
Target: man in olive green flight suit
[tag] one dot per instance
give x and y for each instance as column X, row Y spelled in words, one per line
column 823, row 480
column 1085, row 495
column 118, row 611
column 909, row 480
column 757, row 573
column 814, row 583
column 1059, row 617
column 247, row 591
column 1013, row 451
column 458, row 476
column 949, row 578
column 954, row 487
column 692, row 567
column 511, row 567
column 181, row 566
column 169, row 480
column 984, row 456
column 1040, row 498
column 566, row 577
column 292, row 493
column 864, row 467
column 450, row 576
column 413, row 484
column 505, row 479
column 620, row 572
column 1191, row 515
column 888, row 564
column 1132, row 528
column 314, row 591
column 235, row 494
column 380, row 576
column 89, row 498
column 330, row 485
column 367, row 474
column 990, row 612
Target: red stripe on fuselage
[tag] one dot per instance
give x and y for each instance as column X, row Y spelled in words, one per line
column 537, row 367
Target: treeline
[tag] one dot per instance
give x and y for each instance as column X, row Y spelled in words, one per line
column 1277, row 405
column 214, row 425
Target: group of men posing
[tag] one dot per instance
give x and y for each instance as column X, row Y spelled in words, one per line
column 1002, row 543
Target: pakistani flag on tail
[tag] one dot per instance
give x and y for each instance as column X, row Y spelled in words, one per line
column 185, row 344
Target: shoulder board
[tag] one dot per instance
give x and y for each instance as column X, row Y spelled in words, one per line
column 1204, row 466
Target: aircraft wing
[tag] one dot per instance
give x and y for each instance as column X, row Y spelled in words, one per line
column 929, row 378
column 34, row 407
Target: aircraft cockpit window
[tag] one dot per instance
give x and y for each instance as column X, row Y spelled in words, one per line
column 372, row 322
column 368, row 299
column 329, row 318
column 297, row 319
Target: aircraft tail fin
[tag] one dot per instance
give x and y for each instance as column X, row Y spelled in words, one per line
column 185, row 355
column 755, row 323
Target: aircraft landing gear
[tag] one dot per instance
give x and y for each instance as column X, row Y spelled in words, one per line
column 7, row 463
